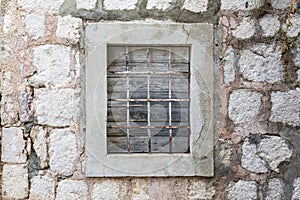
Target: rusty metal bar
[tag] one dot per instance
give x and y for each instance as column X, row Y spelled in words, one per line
column 148, row 103
column 127, row 118
column 170, row 103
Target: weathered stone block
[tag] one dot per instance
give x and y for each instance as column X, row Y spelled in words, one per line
column 199, row 190
column 262, row 63
column 35, row 25
column 243, row 190
column 71, row 189
column 296, row 191
column 106, row 189
column 86, row 4
column 245, row 30
column 55, row 107
column 286, row 107
column 240, row 4
column 229, row 65
column 42, row 188
column 13, row 146
column 280, row 4
column 270, row 25
column 159, row 4
column 243, row 105
column 52, row 63
column 69, row 28
column 119, row 5
column 294, row 28
column 62, row 151
column 39, row 139
column 275, row 190
column 14, row 182
column 195, row 5
column 46, row 6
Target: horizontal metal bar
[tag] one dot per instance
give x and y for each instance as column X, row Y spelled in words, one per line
column 146, row 73
column 154, row 100
column 149, row 127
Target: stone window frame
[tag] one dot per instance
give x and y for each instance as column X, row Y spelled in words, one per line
column 199, row 162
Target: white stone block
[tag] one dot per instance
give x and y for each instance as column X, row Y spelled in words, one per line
column 245, row 30
column 275, row 190
column 240, row 4
column 14, row 182
column 281, row 4
column 195, row 5
column 69, row 28
column 35, row 25
column 229, row 65
column 159, row 4
column 55, row 107
column 13, row 146
column 62, row 151
column 52, row 63
column 39, row 139
column 71, row 189
column 294, row 28
column 243, row 190
column 244, row 105
column 41, row 6
column 286, row 107
column 86, row 4
column 42, row 188
column 120, row 4
column 106, row 189
column 296, row 191
column 274, row 150
column 270, row 25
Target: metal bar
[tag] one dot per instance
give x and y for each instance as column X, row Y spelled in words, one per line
column 149, row 100
column 144, row 73
column 148, row 103
column 170, row 103
column 127, row 118
column 149, row 127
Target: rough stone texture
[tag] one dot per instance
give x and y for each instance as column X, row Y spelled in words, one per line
column 296, row 55
column 240, row 4
column 62, row 151
column 286, row 107
column 244, row 105
column 298, row 73
column 262, row 63
column 245, row 30
column 296, row 191
column 250, row 160
column 243, row 190
column 275, row 190
column 24, row 113
column 39, row 139
column 69, row 28
column 49, row 6
column 269, row 25
column 159, row 4
column 13, row 146
column 229, row 65
column 55, row 107
column 198, row 190
column 35, row 25
column 294, row 28
column 140, row 189
column 280, row 4
column 86, row 4
column 52, row 64
column 195, row 5
column 119, row 4
column 106, row 189
column 71, row 189
column 14, row 182
column 42, row 188
column 274, row 150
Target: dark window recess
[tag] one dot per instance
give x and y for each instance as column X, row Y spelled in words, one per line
column 148, row 99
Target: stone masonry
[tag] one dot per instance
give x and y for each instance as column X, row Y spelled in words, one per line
column 256, row 100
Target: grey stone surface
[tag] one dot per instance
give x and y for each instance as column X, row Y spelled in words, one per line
column 195, row 5
column 275, row 190
column 243, row 190
column 245, row 30
column 280, row 4
column 55, row 107
column 86, row 4
column 298, row 73
column 13, row 146
column 286, row 107
column 52, row 63
column 45, row 6
column 240, row 4
column 250, row 160
column 72, row 189
column 229, row 65
column 14, row 182
column 119, row 5
column 39, row 139
column 159, row 4
column 42, row 188
column 296, row 55
column 106, row 189
column 244, row 105
column 198, row 189
column 62, row 151
column 296, row 190
column 262, row 63
column 294, row 28
column 269, row 24
column 35, row 25
column 274, row 150
column 69, row 28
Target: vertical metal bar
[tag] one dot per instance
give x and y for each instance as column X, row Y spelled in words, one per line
column 127, row 90
column 148, row 102
column 170, row 103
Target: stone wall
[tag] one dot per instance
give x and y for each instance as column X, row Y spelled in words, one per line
column 257, row 67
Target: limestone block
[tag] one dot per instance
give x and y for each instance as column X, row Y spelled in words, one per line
column 229, row 65
column 86, row 4
column 275, row 190
column 296, row 191
column 286, row 107
column 195, row 5
column 243, row 105
column 159, row 4
column 240, row 4
column 14, row 182
column 35, row 25
column 55, row 107
column 245, row 30
column 42, row 188
column 62, row 151
column 294, row 28
column 52, row 63
column 270, row 25
column 281, row 4
column 274, row 150
column 106, row 189
column 243, row 190
column 13, row 146
column 39, row 139
column 43, row 6
column 69, row 28
column 119, row 4
column 71, row 189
